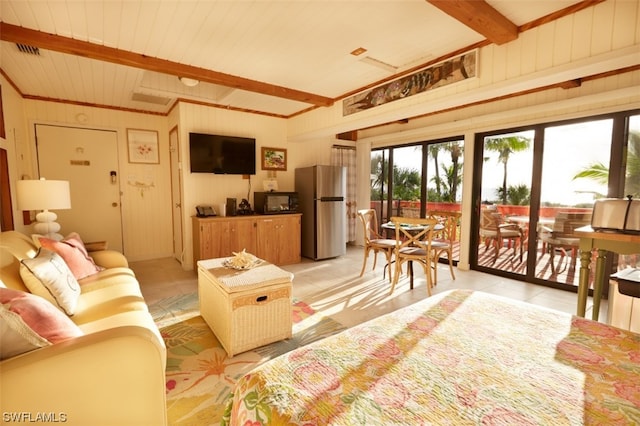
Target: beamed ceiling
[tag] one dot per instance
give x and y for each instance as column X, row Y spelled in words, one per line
column 278, row 58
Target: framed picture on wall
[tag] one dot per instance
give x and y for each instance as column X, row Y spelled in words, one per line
column 274, row 159
column 143, row 146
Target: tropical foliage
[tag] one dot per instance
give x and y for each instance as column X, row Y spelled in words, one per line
column 599, row 172
column 505, row 146
column 446, row 187
column 517, row 195
column 406, row 182
column 447, row 179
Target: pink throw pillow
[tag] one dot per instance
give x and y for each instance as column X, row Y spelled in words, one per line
column 74, row 240
column 75, row 255
column 30, row 322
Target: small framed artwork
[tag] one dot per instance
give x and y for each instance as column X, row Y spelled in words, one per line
column 143, row 146
column 274, row 159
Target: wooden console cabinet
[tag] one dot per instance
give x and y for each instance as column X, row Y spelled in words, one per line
column 274, row 238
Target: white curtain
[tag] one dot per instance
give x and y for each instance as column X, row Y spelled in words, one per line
column 346, row 156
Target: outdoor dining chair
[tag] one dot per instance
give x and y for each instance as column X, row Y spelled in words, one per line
column 374, row 242
column 413, row 244
column 562, row 237
column 495, row 231
column 443, row 240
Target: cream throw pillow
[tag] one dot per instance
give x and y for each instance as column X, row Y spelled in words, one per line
column 48, row 276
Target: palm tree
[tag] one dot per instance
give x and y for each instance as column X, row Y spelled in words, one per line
column 599, row 173
column 406, row 184
column 505, row 146
column 456, row 150
column 379, row 167
column 451, row 188
column 433, row 152
column 452, row 175
column 518, row 195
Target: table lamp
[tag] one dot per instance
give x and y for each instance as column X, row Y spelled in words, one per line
column 44, row 195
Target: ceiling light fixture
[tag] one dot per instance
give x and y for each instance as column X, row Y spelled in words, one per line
column 378, row 63
column 189, row 82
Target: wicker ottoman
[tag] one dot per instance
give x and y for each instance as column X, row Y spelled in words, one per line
column 245, row 309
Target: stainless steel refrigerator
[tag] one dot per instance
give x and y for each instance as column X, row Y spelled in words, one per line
column 321, row 192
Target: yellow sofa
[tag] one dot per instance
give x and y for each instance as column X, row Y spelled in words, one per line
column 112, row 374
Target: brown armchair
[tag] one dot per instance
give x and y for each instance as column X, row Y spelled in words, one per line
column 495, row 231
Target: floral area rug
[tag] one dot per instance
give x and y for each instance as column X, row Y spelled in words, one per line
column 200, row 376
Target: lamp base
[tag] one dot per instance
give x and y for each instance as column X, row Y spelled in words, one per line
column 47, row 226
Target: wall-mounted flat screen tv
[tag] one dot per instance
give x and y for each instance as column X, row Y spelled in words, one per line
column 219, row 154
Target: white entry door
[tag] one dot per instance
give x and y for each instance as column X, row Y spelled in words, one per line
column 88, row 159
column 176, row 195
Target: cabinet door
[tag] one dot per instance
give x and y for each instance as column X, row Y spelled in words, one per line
column 279, row 240
column 242, row 236
column 202, row 248
column 289, row 240
column 267, row 240
column 220, row 239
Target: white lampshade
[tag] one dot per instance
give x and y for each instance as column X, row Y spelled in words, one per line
column 44, row 195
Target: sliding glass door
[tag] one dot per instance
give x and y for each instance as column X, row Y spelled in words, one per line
column 573, row 155
column 507, row 165
column 534, row 186
column 413, row 180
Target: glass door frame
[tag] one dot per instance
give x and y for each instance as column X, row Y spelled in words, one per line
column 619, row 137
column 387, row 153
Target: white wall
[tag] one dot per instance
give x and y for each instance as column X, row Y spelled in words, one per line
column 143, row 214
column 213, row 189
column 204, row 188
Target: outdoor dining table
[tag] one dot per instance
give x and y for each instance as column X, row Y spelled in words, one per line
column 523, row 222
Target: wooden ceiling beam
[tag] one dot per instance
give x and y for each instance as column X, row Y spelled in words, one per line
column 42, row 40
column 351, row 135
column 481, row 17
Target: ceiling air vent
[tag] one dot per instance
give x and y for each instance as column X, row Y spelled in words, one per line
column 143, row 97
column 31, row 50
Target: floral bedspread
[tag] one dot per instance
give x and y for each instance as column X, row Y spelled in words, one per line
column 460, row 358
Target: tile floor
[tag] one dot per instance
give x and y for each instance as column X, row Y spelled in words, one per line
column 334, row 288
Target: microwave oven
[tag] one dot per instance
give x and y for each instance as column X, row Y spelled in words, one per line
column 275, row 202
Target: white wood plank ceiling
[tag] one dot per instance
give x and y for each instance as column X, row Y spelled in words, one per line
column 276, row 57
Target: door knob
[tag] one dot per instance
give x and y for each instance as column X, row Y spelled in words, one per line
column 114, row 204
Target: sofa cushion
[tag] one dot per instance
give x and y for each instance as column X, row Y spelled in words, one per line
column 104, row 302
column 29, row 322
column 138, row 318
column 47, row 275
column 106, row 278
column 72, row 250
